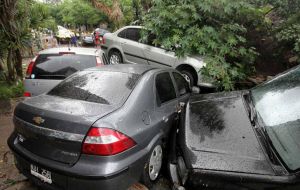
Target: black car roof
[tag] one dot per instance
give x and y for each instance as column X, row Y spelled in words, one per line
column 126, row 68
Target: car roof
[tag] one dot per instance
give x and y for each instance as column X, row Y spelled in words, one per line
column 126, row 68
column 77, row 50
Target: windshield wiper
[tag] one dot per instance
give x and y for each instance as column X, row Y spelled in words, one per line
column 251, row 109
column 254, row 117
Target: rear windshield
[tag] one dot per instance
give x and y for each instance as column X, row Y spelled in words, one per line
column 60, row 66
column 102, row 87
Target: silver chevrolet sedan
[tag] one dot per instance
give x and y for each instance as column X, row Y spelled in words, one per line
column 105, row 127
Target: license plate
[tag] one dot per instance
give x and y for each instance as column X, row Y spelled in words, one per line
column 41, row 173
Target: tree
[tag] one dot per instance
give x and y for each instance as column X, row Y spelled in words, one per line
column 40, row 16
column 216, row 29
column 79, row 12
column 113, row 12
column 15, row 35
column 16, row 21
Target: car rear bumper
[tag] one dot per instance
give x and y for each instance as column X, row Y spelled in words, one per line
column 64, row 177
column 121, row 180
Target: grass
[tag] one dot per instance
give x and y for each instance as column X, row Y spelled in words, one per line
column 10, row 91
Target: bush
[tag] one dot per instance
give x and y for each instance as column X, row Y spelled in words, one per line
column 215, row 29
column 7, row 91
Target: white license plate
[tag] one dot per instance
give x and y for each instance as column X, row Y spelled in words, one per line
column 41, row 173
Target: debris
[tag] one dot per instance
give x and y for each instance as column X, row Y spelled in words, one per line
column 138, row 186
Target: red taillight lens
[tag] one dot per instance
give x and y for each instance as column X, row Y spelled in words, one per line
column 102, row 39
column 27, row 94
column 98, row 61
column 30, row 67
column 105, row 142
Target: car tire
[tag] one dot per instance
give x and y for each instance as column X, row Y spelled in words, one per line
column 115, row 58
column 189, row 77
column 153, row 166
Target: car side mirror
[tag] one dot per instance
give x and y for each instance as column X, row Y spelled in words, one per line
column 196, row 90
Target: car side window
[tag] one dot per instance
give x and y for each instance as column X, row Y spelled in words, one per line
column 122, row 34
column 182, row 84
column 164, row 88
column 133, row 34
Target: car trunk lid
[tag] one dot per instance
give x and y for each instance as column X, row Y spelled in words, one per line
column 54, row 127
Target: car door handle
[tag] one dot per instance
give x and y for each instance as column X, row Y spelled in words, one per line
column 179, row 107
column 165, row 119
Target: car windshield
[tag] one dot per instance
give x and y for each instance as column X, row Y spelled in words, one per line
column 277, row 103
column 97, row 86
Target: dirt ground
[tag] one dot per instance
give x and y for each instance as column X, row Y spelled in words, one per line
column 11, row 179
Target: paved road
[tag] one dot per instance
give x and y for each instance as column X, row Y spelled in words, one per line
column 11, row 179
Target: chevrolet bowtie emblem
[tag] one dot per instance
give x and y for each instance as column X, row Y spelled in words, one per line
column 38, row 120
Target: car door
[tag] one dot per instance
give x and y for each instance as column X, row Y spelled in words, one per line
column 158, row 56
column 166, row 101
column 182, row 88
column 132, row 49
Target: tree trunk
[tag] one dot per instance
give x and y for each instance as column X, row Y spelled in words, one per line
column 18, row 63
column 114, row 13
column 10, row 69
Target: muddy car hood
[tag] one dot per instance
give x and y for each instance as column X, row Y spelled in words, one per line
column 218, row 135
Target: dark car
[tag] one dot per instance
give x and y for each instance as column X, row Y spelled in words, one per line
column 104, row 127
column 242, row 140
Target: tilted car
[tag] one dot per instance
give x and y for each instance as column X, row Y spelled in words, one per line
column 125, row 46
column 53, row 65
column 242, row 140
column 105, row 127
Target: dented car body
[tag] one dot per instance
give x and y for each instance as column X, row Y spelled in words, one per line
column 97, row 128
column 243, row 139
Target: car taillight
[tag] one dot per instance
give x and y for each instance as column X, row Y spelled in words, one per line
column 30, row 67
column 102, row 39
column 27, row 94
column 105, row 142
column 98, row 62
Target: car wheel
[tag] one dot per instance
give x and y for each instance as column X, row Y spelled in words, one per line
column 115, row 58
column 153, row 166
column 188, row 77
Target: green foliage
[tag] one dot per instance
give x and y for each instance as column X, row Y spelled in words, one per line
column 215, row 29
column 283, row 8
column 40, row 16
column 79, row 12
column 11, row 91
column 290, row 37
